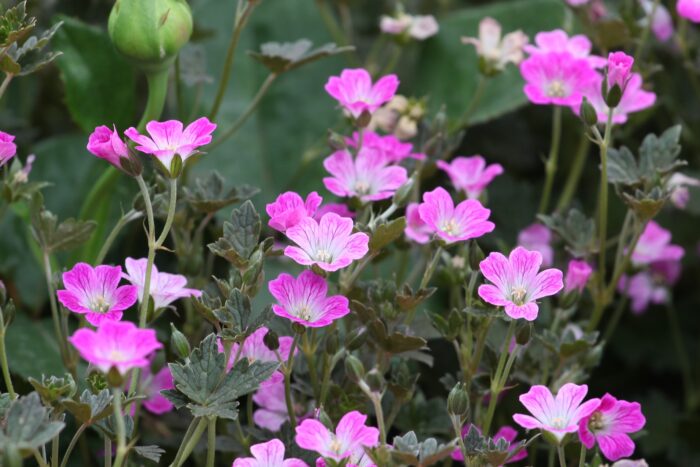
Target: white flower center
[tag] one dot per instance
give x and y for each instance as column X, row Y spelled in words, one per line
column 450, row 227
column 336, row 446
column 556, row 88
column 518, row 295
column 116, row 356
column 558, row 423
column 361, row 187
column 99, row 304
column 304, row 314
column 596, row 422
column 324, row 256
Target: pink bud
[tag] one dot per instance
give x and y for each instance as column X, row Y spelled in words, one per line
column 619, row 69
column 577, row 275
column 108, row 145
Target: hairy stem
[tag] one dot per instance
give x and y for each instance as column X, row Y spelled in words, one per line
column 211, row 442
column 3, row 360
column 72, row 444
column 121, row 428
column 552, row 160
column 498, row 377
column 288, row 383
column 187, row 448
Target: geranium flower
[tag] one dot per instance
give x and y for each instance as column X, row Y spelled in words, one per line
column 351, row 435
column 95, row 293
column 577, row 274
column 155, row 402
column 118, row 344
column 556, row 78
column 8, row 149
column 538, row 237
column 655, row 245
column 328, row 243
column 366, row 176
column 557, row 416
column 165, row 287
column 168, row 139
column 470, row 174
column 635, row 99
column 661, row 22
column 390, row 148
column 518, row 282
column 289, row 208
column 107, row 144
column 354, row 90
column 255, row 350
column 497, row 51
column 678, row 184
column 268, row 454
column 270, row 398
column 469, row 219
column 416, row 229
column 419, row 27
column 507, row 433
column 609, row 425
column 336, row 208
column 558, row 41
column 304, row 300
column 651, row 285
column 689, row 9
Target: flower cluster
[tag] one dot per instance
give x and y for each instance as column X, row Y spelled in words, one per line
column 418, row 27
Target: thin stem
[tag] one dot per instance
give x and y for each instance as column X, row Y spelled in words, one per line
column 332, row 25
column 188, row 434
column 157, row 92
column 327, row 370
column 574, row 177
column 248, row 111
column 379, row 413
column 582, row 456
column 456, row 426
column 143, row 311
column 309, row 350
column 430, row 270
column 616, row 316
column 187, row 448
column 55, row 445
column 288, row 383
column 108, row 452
column 60, row 338
column 5, row 84
column 72, row 444
column 603, row 200
column 346, row 285
column 238, row 25
column 683, row 361
column 121, row 428
column 3, row 360
column 551, row 164
column 496, row 386
column 393, row 59
column 37, row 456
column 172, row 207
column 463, row 121
column 211, row 442
column 121, row 223
column 562, row 457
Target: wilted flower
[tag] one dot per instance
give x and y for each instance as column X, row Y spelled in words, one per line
column 304, row 300
column 537, row 237
column 95, row 292
column 678, row 185
column 470, row 174
column 655, row 245
column 8, row 149
column 661, row 22
column 609, row 425
column 399, row 116
column 168, row 139
column 270, row 398
column 356, row 93
column 416, row 229
column 507, row 433
column 165, row 288
column 467, row 220
column 108, row 145
column 268, row 454
column 351, row 435
column 557, row 41
column 634, row 99
column 556, row 78
column 497, row 52
column 577, row 274
column 557, row 416
column 517, row 282
column 328, row 243
column 689, row 9
column 22, row 175
column 367, row 176
column 651, row 285
column 118, row 344
column 255, row 350
column 289, row 208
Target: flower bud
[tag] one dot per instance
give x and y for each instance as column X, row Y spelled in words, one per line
column 458, row 401
column 355, row 338
column 298, row 328
column 271, row 340
column 150, row 33
column 577, row 274
column 336, row 141
column 523, row 332
column 332, row 342
column 476, row 255
column 375, row 380
column 588, row 113
column 363, row 120
column 403, row 194
column 614, row 96
column 179, row 343
column 354, row 369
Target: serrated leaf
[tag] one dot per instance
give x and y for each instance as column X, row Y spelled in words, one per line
column 30, row 55
column 210, row 196
column 384, row 234
column 27, row 425
column 577, row 231
column 14, row 24
column 240, row 236
column 239, row 315
column 91, row 407
column 658, row 154
column 286, row 56
column 622, row 167
column 152, row 453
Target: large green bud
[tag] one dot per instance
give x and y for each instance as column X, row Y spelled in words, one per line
column 150, row 32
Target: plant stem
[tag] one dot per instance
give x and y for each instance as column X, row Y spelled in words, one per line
column 329, row 20
column 172, row 207
column 143, row 311
column 309, row 350
column 574, row 177
column 430, row 270
column 679, row 344
column 108, row 452
column 187, row 448
column 211, row 442
column 498, row 377
column 248, row 112
column 5, row 84
column 72, row 444
column 551, row 164
column 603, row 200
column 327, row 370
column 562, row 457
column 616, row 316
column 121, row 429
column 288, row 383
column 37, row 456
column 55, row 445
column 157, row 92
column 58, row 328
column 3, row 360
column 121, row 223
column 463, row 121
column 379, row 413
column 239, row 24
column 582, row 456
column 456, row 426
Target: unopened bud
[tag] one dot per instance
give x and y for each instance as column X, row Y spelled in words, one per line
column 614, row 96
column 458, row 401
column 355, row 338
column 354, row 369
column 332, row 342
column 523, row 332
column 588, row 113
column 298, row 328
column 403, row 194
column 271, row 340
column 176, row 166
column 363, row 120
column 476, row 255
column 336, row 141
column 179, row 342
column 375, row 380
column 114, row 378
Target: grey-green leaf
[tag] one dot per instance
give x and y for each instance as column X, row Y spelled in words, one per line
column 27, row 425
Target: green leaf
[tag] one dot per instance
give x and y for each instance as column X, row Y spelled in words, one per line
column 445, row 56
column 240, row 235
column 209, row 195
column 152, row 453
column 658, row 155
column 384, row 234
column 92, row 407
column 30, row 55
column 207, row 389
column 14, row 24
column 99, row 83
column 52, row 389
column 286, row 56
column 51, row 235
column 27, row 425
column 622, row 167
column 575, row 229
column 238, row 314
column 32, row 349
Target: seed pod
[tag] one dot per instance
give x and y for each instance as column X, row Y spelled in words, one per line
column 458, row 401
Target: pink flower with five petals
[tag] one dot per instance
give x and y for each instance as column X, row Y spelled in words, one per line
column 351, row 435
column 289, row 208
column 416, row 229
column 467, row 220
column 470, row 174
column 689, row 9
column 269, row 454
column 655, row 245
column 108, row 145
column 8, row 148
column 165, row 287
column 270, row 398
column 558, row 41
column 255, row 350
column 635, row 99
column 556, row 78
column 354, row 90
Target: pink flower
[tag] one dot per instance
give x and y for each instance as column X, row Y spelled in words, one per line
column 390, row 148
column 328, row 243
column 255, row 350
column 470, row 174
column 537, row 237
column 165, row 288
column 577, row 2
column 8, row 149
column 655, row 245
column 507, row 433
column 518, row 282
column 95, row 293
column 661, row 22
column 269, row 454
column 577, row 274
column 609, row 424
column 416, row 229
column 650, row 286
column 633, row 100
column 467, row 220
column 556, row 78
column 336, row 208
column 423, row 27
column 558, row 41
column 168, row 139
column 395, row 25
column 351, row 435
column 289, row 208
column 356, row 93
column 270, row 398
column 304, row 300
column 108, row 145
column 118, row 344
column 557, row 416
column 155, row 402
column 689, row 9
column 367, row 176
column 631, row 463
column 619, row 69
column 678, row 184
column 496, row 51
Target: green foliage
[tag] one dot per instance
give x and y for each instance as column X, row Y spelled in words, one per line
column 91, row 407
column 240, row 236
column 28, row 425
column 409, row 451
column 14, row 24
column 53, row 236
column 286, row 56
column 577, row 231
column 239, row 317
column 209, row 195
column 386, row 233
column 32, row 348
